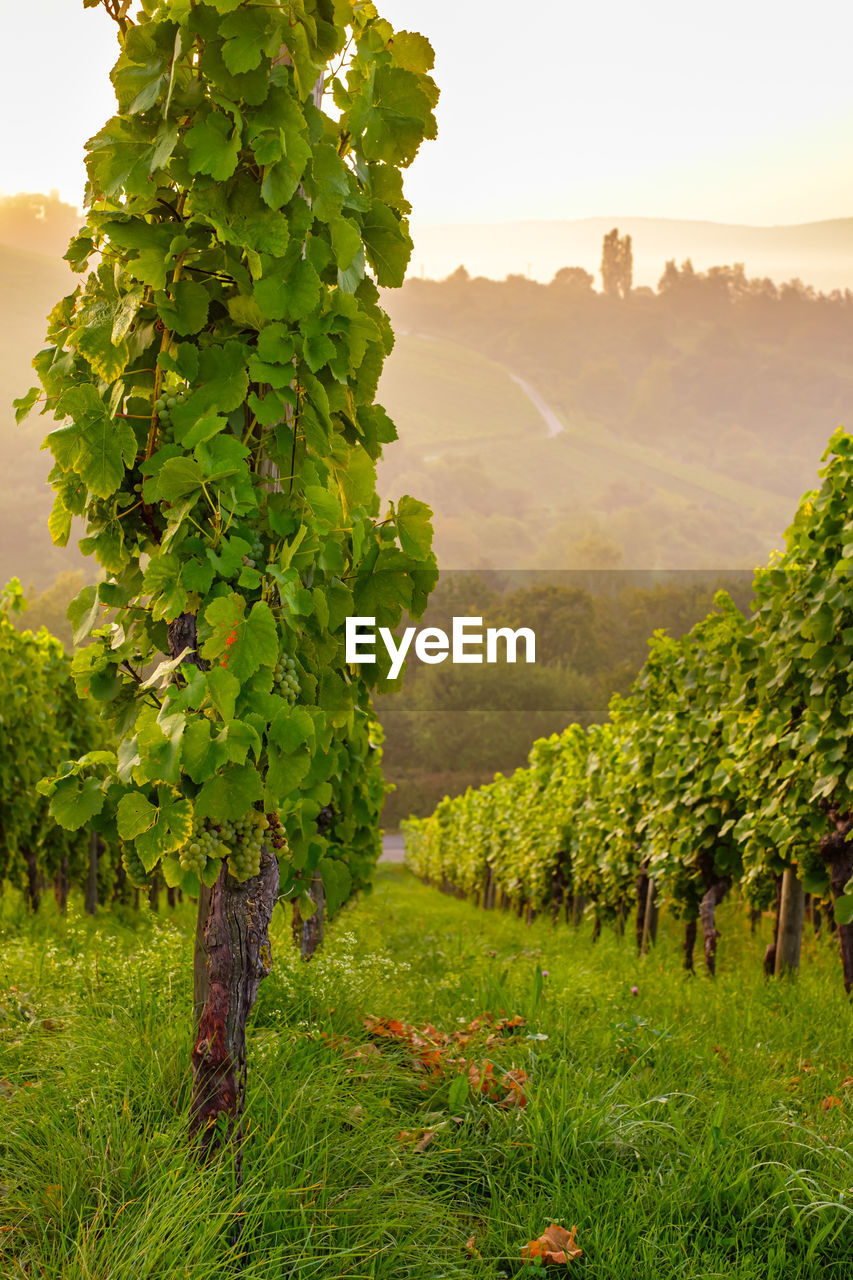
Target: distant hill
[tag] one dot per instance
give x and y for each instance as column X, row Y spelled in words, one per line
column 818, row 253
column 677, row 429
column 31, row 285
column 548, row 428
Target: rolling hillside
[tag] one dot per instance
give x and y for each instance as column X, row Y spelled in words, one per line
column 507, row 491
column 507, row 494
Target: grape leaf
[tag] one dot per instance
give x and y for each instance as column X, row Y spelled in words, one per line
column 230, row 795
column 186, row 311
column 74, row 804
column 95, row 446
column 170, row 831
column 243, row 644
column 134, row 814
column 214, row 146
column 414, row 527
column 387, row 244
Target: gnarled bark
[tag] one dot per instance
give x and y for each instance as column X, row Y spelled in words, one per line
column 489, row 889
column 712, row 898
column 836, row 849
column 61, row 885
column 642, row 891
column 33, row 880
column 309, row 934
column 182, row 635
column 233, row 942
column 650, row 917
column 770, row 953
column 557, row 890
column 689, row 944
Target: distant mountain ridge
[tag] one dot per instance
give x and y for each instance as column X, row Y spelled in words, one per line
column 818, row 253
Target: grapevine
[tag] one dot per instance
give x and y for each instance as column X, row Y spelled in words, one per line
column 48, row 724
column 213, row 382
column 727, row 763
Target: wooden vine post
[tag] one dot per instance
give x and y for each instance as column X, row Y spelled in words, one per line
column 214, row 381
column 789, row 938
column 650, row 918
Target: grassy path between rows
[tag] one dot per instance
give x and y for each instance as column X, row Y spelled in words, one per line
column 693, row 1129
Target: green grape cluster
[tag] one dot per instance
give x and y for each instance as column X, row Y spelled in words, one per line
column 255, row 558
column 169, row 399
column 245, row 839
column 133, row 865
column 286, row 678
column 204, row 843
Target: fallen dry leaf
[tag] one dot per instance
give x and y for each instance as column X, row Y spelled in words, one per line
column 511, row 1024
column 388, row 1028
column 420, row 1139
column 556, row 1247
column 721, row 1053
column 507, row 1089
column 471, row 1246
column 514, row 1082
column 429, row 1053
column 830, row 1102
column 430, row 1058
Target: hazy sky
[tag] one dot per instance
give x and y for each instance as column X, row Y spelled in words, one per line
column 741, row 111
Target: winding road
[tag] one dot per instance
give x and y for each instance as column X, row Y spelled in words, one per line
column 542, row 407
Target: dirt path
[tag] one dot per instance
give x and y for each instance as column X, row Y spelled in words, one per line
column 392, row 849
column 549, row 417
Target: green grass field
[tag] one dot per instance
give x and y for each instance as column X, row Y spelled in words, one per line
column 448, row 399
column 445, row 397
column 695, row 1129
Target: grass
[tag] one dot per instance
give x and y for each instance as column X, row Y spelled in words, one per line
column 687, row 480
column 682, row 1129
column 448, row 397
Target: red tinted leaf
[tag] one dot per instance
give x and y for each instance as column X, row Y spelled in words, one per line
column 556, row 1247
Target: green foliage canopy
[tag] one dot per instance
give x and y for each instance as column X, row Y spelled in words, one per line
column 214, row 382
